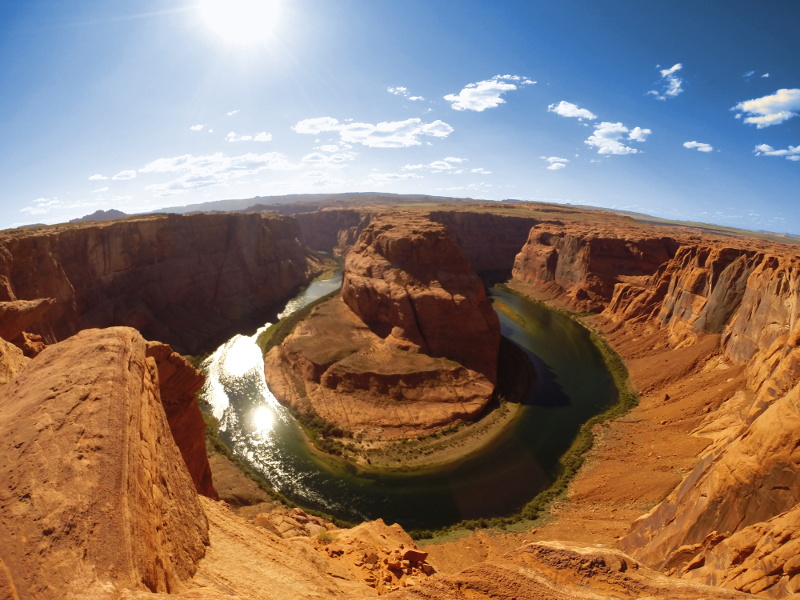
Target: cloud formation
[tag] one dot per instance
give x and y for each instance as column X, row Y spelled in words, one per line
column 198, row 127
column 124, row 175
column 196, row 172
column 259, row 137
column 387, row 134
column 554, row 162
column 770, row 110
column 337, row 160
column 608, row 138
column 671, row 85
column 699, row 146
column 403, row 92
column 791, row 153
column 97, row 177
column 383, row 178
column 568, row 109
column 487, row 93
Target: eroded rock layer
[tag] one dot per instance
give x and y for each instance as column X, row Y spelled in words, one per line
column 95, row 494
column 186, row 280
column 687, row 286
column 412, row 285
column 334, row 364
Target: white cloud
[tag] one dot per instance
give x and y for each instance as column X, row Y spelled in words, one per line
column 555, row 162
column 97, row 177
column 197, row 172
column 446, row 165
column 485, row 94
column 403, row 92
column 387, row 134
column 671, row 84
column 791, row 153
column 124, row 175
column 765, row 75
column 381, row 178
column 233, row 112
column 568, row 109
column 331, row 161
column 749, row 74
column 328, row 148
column 100, row 190
column 317, row 125
column 608, row 138
column 41, row 206
column 198, row 127
column 770, row 110
column 259, row 137
column 638, row 134
column 700, row 146
column 480, row 171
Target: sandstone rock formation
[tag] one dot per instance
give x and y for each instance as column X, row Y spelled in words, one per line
column 178, row 384
column 95, row 496
column 411, row 347
column 332, row 230
column 686, row 286
column 490, row 241
column 408, row 281
column 560, row 572
column 187, row 280
column 334, row 364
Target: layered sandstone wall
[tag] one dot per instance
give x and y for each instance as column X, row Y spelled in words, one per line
column 186, row 280
column 333, row 230
column 687, row 285
column 412, row 285
column 95, row 495
column 490, row 241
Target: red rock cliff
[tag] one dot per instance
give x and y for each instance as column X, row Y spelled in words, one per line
column 95, row 495
column 687, row 285
column 187, row 280
column 412, row 285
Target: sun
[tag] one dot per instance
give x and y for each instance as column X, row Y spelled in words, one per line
column 241, row 21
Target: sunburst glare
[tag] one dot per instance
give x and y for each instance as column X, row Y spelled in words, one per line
column 241, row 21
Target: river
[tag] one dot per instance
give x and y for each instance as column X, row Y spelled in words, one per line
column 572, row 385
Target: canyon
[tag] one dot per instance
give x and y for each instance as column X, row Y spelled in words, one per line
column 108, row 491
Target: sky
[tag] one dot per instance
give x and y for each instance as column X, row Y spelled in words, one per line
column 687, row 109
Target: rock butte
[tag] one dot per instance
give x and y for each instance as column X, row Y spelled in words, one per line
column 410, row 346
column 101, row 451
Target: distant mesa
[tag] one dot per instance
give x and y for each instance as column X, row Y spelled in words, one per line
column 101, row 215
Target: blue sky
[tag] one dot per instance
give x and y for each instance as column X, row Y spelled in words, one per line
column 682, row 109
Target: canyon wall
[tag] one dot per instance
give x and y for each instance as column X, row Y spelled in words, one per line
column 95, row 495
column 490, row 241
column 412, row 285
column 332, row 230
column 186, row 280
column 684, row 286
